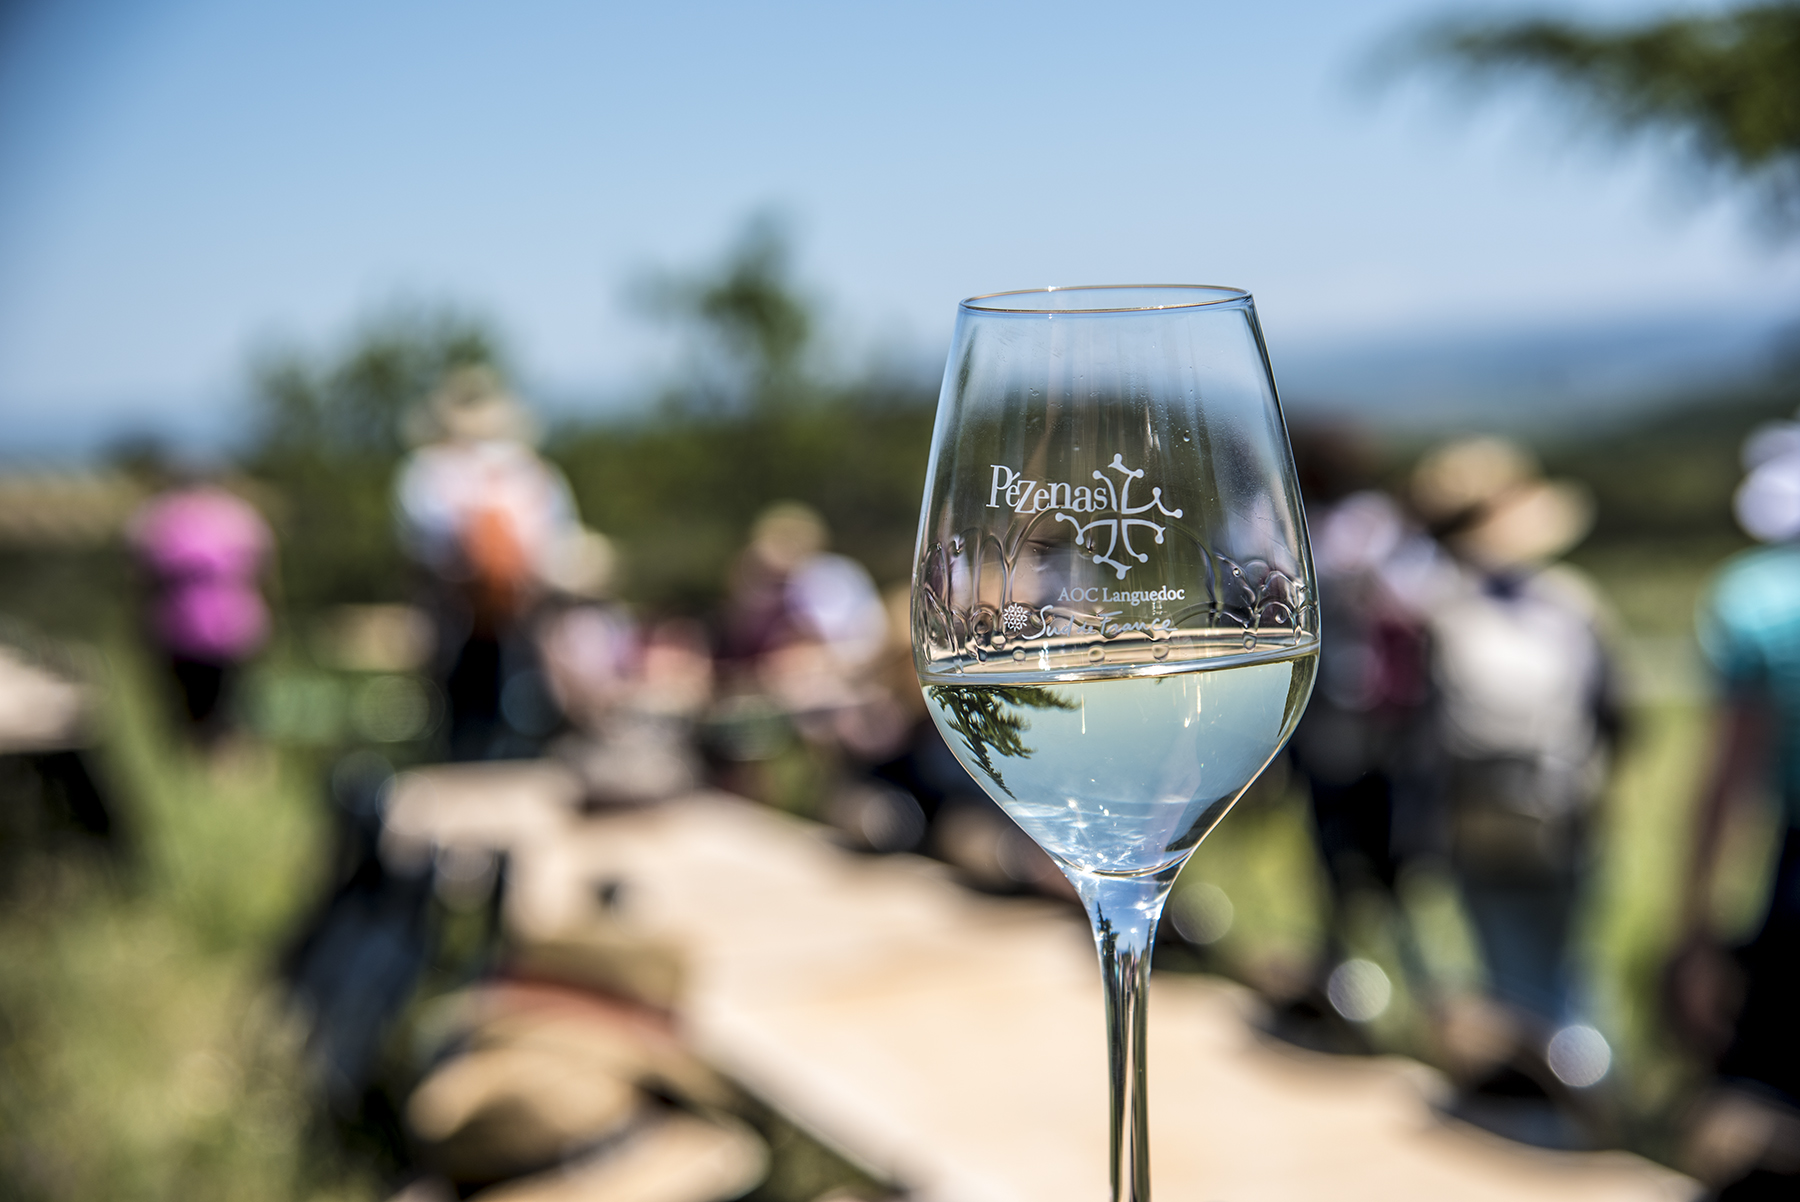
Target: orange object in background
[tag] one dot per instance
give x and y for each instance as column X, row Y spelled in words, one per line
column 501, row 569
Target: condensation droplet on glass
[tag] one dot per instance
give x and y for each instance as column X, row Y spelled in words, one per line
column 999, row 641
column 1096, row 654
column 1019, row 654
column 1160, row 653
column 1249, row 642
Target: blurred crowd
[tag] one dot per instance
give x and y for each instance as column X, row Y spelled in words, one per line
column 1466, row 719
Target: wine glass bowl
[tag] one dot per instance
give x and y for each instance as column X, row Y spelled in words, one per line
column 1114, row 614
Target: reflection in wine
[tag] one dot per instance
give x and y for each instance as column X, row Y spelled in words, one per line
column 1124, row 774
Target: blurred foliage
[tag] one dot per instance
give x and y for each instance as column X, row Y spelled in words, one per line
column 1726, row 85
column 679, row 487
column 63, row 592
column 147, row 1049
column 144, row 1051
column 679, row 495
column 1671, row 473
column 750, row 325
column 328, row 436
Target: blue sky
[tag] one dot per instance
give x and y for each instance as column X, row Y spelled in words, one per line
column 184, row 181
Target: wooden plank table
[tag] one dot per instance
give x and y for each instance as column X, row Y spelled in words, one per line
column 953, row 1042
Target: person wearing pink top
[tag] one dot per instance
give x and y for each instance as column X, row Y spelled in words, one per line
column 203, row 550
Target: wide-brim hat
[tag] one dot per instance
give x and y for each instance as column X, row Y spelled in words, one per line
column 1486, row 500
column 473, row 404
column 1532, row 524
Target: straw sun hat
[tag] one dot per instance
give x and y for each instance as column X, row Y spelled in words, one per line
column 1488, row 501
column 472, row 405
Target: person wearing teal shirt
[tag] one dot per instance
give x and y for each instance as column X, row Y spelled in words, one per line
column 1746, row 1136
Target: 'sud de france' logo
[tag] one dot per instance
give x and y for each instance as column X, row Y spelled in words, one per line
column 1011, row 489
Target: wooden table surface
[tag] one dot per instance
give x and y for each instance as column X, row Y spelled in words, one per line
column 954, row 1042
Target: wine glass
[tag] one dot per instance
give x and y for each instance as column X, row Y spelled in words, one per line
column 1113, row 610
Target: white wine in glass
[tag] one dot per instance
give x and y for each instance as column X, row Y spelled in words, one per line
column 1114, row 616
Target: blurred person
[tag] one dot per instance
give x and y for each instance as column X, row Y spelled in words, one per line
column 599, row 658
column 929, row 802
column 806, row 638
column 588, row 643
column 486, row 517
column 356, row 958
column 802, row 637
column 759, row 616
column 1738, row 1008
column 631, row 695
column 1525, row 718
column 676, row 669
column 203, row 550
column 1363, row 745
column 787, row 590
column 802, row 624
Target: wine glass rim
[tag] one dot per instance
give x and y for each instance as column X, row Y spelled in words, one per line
column 1181, row 296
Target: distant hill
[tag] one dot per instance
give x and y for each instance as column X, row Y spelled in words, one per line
column 1555, row 379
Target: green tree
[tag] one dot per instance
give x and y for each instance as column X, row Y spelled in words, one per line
column 991, row 721
column 752, row 424
column 1724, row 86
column 751, row 325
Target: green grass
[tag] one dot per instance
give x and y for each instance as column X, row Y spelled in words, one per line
column 146, row 1054
column 1653, row 587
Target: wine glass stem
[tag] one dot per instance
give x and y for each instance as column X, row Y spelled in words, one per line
column 1124, row 911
